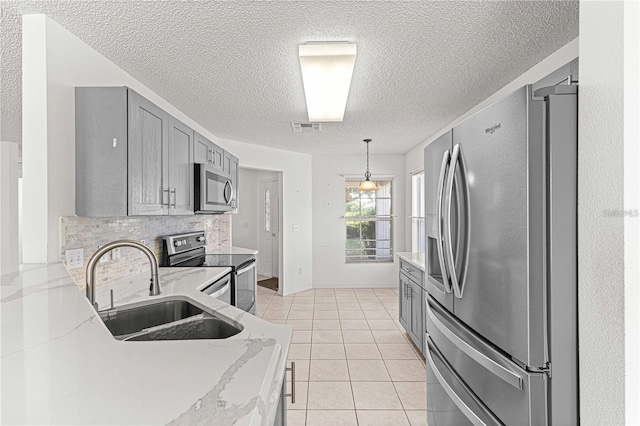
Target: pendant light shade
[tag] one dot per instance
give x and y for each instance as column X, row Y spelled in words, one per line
column 367, row 184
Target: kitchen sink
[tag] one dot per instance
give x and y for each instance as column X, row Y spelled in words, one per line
column 167, row 320
column 198, row 327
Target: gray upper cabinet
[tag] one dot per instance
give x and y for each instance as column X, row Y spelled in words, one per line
column 132, row 157
column 101, row 151
column 180, row 167
column 233, row 172
column 208, row 153
column 148, row 157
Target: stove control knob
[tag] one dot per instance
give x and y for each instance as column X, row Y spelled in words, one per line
column 177, row 243
column 200, row 239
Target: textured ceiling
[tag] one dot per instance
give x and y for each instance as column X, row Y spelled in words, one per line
column 233, row 66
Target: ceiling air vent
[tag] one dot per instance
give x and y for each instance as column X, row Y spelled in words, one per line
column 306, row 127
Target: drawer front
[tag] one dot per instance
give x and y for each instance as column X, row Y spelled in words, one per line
column 514, row 395
column 412, row 271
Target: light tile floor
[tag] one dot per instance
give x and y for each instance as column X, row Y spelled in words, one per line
column 355, row 364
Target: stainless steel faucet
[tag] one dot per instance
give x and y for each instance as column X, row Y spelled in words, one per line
column 154, row 287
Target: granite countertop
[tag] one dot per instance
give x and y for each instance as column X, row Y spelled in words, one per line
column 60, row 364
column 414, row 258
column 233, row 250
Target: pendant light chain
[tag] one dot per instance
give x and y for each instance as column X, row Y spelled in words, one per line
column 367, row 175
column 367, row 184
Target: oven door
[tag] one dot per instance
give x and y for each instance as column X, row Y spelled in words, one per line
column 213, row 191
column 220, row 289
column 246, row 279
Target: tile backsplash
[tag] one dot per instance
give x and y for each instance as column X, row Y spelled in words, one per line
column 88, row 233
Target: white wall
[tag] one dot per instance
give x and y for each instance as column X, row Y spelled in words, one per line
column 295, row 249
column 54, row 63
column 601, row 236
column 245, row 225
column 9, row 235
column 632, row 202
column 414, row 159
column 329, row 232
column 39, row 243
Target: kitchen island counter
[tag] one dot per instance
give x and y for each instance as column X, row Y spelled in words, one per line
column 60, row 364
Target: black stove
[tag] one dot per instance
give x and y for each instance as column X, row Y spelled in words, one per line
column 188, row 250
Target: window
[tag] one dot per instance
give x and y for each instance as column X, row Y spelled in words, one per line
column 417, row 212
column 369, row 222
column 267, row 210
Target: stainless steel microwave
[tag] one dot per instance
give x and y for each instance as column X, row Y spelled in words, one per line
column 214, row 191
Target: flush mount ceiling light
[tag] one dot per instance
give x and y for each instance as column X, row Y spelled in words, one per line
column 326, row 74
column 367, row 185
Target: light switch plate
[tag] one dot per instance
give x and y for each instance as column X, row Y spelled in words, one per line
column 74, row 258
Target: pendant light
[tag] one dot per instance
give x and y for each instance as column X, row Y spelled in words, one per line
column 367, row 185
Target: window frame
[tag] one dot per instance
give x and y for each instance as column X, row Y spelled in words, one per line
column 417, row 207
column 382, row 218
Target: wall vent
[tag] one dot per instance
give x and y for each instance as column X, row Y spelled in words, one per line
column 306, row 127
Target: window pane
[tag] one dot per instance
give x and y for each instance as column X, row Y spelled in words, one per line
column 369, row 228
column 267, row 210
column 417, row 212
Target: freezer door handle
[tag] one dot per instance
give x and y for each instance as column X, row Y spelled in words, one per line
column 457, row 281
column 498, row 370
column 441, row 181
column 486, row 418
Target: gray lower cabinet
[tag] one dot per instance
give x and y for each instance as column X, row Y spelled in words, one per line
column 281, row 414
column 411, row 304
column 404, row 310
column 132, row 157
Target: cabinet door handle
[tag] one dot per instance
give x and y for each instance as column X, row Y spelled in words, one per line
column 169, row 198
column 173, row 191
column 293, row 382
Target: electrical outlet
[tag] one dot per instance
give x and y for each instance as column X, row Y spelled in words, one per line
column 74, row 258
column 105, row 257
column 299, row 271
column 296, row 228
column 245, row 225
column 115, row 253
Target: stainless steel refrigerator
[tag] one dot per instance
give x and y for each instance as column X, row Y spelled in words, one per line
column 501, row 309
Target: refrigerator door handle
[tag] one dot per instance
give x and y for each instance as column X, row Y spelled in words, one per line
column 457, row 400
column 441, row 182
column 457, row 282
column 498, row 370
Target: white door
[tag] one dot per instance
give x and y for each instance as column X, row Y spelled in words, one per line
column 275, row 225
column 266, row 241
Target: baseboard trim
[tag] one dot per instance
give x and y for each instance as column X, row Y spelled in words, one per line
column 364, row 285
